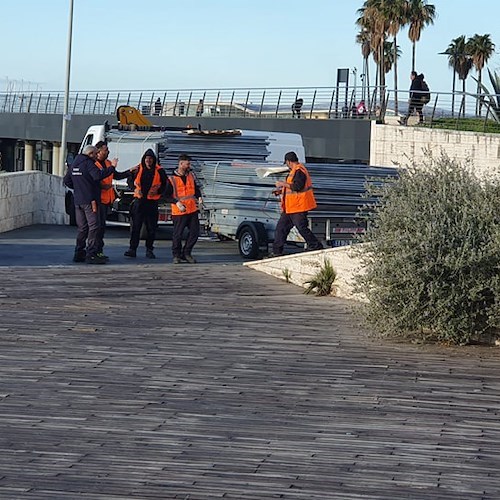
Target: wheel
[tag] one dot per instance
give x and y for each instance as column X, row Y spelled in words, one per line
column 248, row 243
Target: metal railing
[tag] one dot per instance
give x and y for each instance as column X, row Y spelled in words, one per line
column 304, row 103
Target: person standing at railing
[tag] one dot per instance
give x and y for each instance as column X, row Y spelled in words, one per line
column 297, row 107
column 415, row 103
column 361, row 109
column 157, row 107
column 199, row 108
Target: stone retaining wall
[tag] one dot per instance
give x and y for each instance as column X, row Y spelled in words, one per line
column 396, row 145
column 301, row 267
column 28, row 198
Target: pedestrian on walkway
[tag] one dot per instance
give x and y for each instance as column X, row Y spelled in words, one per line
column 297, row 198
column 84, row 177
column 108, row 194
column 200, row 108
column 157, row 107
column 186, row 196
column 297, row 107
column 149, row 181
column 415, row 103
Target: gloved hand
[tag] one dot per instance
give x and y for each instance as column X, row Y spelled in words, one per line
column 181, row 206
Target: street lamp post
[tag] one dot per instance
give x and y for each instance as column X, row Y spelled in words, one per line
column 66, row 116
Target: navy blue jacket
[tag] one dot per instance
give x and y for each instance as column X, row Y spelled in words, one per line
column 84, row 177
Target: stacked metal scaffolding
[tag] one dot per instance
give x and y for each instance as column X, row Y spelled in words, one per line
column 211, row 148
column 340, row 189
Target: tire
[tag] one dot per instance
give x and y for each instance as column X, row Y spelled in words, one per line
column 248, row 243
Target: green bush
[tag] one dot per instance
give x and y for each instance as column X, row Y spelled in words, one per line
column 432, row 255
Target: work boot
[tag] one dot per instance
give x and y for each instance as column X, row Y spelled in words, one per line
column 177, row 260
column 79, row 257
column 190, row 259
column 130, row 253
column 95, row 259
column 150, row 254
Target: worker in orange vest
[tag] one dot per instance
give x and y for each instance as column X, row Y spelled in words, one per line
column 297, row 198
column 149, row 182
column 108, row 194
column 186, row 196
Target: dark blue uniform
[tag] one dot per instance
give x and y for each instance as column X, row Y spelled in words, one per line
column 84, row 178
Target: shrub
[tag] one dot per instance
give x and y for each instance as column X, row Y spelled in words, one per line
column 432, row 255
column 322, row 281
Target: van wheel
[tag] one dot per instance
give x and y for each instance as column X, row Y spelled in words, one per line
column 248, row 243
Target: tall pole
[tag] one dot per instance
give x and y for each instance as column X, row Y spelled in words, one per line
column 66, row 115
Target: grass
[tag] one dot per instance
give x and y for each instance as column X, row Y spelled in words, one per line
column 466, row 124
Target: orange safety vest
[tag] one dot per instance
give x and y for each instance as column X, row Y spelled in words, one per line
column 154, row 190
column 293, row 202
column 184, row 193
column 107, row 192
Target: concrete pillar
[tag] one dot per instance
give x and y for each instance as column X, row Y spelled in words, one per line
column 56, row 151
column 29, row 149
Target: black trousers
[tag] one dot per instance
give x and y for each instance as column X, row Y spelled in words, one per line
column 143, row 212
column 284, row 226
column 192, row 223
column 416, row 105
column 102, row 213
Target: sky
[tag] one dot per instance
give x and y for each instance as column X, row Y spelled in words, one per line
column 215, row 44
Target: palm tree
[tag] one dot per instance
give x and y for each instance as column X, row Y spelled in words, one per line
column 480, row 48
column 456, row 53
column 363, row 38
column 420, row 14
column 460, row 60
column 390, row 56
column 397, row 16
column 373, row 18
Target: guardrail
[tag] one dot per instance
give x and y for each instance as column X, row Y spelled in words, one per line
column 305, row 103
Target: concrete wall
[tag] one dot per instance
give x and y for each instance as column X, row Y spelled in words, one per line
column 30, row 198
column 396, row 145
column 301, row 267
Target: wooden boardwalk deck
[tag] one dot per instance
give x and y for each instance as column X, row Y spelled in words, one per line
column 214, row 381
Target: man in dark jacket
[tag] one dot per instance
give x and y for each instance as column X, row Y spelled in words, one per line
column 149, row 181
column 415, row 103
column 84, row 177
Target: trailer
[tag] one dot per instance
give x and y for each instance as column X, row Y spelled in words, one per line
column 240, row 205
